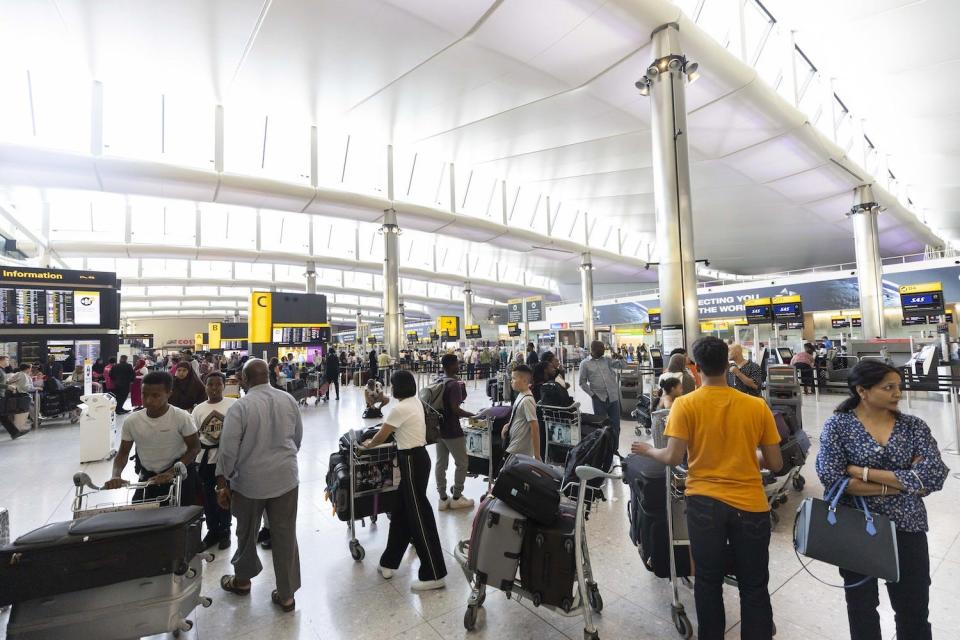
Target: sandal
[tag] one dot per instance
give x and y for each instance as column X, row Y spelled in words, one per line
column 229, row 583
column 275, row 599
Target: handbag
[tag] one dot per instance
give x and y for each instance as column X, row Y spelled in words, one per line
column 846, row 537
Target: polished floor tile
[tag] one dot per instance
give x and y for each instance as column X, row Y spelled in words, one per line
column 343, row 599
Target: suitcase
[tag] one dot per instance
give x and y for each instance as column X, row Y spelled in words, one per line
column 99, row 550
column 793, row 456
column 495, row 542
column 648, row 479
column 654, row 541
column 529, row 486
column 143, row 606
column 480, row 466
column 548, row 566
column 356, row 378
column 492, row 390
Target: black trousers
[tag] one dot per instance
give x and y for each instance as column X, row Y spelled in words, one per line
column 910, row 597
column 9, row 426
column 718, row 531
column 121, row 392
column 188, row 487
column 412, row 521
column 335, row 383
column 218, row 520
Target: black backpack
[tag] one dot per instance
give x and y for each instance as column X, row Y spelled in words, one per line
column 595, row 449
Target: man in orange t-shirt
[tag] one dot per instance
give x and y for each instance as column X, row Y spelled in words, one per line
column 721, row 430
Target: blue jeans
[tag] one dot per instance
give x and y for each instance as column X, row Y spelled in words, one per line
column 610, row 409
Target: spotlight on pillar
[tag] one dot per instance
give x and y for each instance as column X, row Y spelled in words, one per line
column 652, row 72
column 691, row 69
column 643, row 86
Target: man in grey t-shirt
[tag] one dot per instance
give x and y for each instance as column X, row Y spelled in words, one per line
column 522, row 429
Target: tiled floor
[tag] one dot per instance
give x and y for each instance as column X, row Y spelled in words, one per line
column 344, row 599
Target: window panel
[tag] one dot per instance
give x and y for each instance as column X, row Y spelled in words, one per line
column 132, row 122
column 61, row 107
column 283, row 231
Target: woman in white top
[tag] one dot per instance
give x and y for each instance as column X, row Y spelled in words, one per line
column 413, row 519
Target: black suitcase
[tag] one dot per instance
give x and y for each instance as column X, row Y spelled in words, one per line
column 492, row 389
column 548, row 568
column 793, row 456
column 654, row 542
column 529, row 486
column 648, row 479
column 99, row 550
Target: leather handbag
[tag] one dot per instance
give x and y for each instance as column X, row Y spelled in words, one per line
column 846, row 537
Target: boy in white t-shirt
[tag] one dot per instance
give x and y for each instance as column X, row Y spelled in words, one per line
column 164, row 435
column 208, row 417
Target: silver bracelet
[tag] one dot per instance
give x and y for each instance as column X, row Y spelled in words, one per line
column 866, row 474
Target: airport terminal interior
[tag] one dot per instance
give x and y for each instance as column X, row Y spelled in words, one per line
column 433, row 320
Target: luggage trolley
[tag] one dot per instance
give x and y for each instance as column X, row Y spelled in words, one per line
column 86, row 491
column 478, row 432
column 587, row 598
column 373, row 465
column 561, row 426
column 678, row 535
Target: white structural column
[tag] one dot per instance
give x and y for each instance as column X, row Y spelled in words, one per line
column 311, row 276
column 866, row 241
column 586, row 295
column 467, row 304
column 665, row 81
column 391, row 283
column 359, row 330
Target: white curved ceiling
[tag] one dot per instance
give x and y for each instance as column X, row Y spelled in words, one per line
column 537, row 92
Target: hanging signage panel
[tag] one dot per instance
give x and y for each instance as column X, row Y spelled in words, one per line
column 839, row 322
column 213, row 329
column 758, row 311
column 261, row 317
column 514, row 330
column 654, row 318
column 515, row 310
column 925, row 297
column 449, row 327
column 472, row 331
column 534, row 308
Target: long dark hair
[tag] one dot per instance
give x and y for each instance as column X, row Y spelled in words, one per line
column 866, row 374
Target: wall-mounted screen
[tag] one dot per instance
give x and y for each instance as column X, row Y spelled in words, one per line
column 38, row 298
column 759, row 314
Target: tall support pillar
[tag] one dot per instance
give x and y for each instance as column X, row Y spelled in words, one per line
column 391, row 282
column 866, row 241
column 360, row 346
column 586, row 295
column 467, row 304
column 402, row 325
column 666, row 83
column 311, row 276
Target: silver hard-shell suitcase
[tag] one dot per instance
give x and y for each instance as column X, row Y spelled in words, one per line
column 495, row 543
column 120, row 611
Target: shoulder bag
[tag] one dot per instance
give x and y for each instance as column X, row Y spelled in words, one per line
column 846, row 537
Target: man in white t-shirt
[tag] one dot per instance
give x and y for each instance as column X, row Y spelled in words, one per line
column 375, row 398
column 164, row 435
column 208, row 418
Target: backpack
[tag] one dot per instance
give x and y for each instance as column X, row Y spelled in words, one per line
column 596, row 449
column 432, row 395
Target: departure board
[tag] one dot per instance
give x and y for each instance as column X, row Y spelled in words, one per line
column 49, row 307
column 301, row 335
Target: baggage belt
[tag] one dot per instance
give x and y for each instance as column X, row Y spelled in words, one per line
column 99, row 550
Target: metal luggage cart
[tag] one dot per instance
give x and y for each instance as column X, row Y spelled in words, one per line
column 587, row 598
column 678, row 535
column 561, row 426
column 478, row 432
column 86, row 491
column 372, row 461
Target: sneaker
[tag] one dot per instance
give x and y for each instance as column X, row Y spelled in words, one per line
column 225, row 541
column 443, row 504
column 428, row 585
column 263, row 535
column 461, row 502
column 386, row 573
column 210, row 539
column 266, row 544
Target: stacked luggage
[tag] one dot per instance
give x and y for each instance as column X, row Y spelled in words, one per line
column 647, row 514
column 108, row 576
column 485, row 452
column 65, row 401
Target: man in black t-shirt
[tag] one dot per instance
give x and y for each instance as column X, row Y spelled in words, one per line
column 452, row 441
column 332, row 372
column 122, row 375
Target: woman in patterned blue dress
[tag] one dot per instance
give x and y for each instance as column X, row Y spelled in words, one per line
column 893, row 461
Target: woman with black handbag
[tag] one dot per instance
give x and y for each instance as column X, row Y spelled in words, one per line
column 892, row 461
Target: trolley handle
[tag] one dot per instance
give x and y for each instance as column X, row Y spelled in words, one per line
column 81, row 479
column 587, row 473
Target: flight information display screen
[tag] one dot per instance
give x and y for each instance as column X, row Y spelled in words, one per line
column 930, row 302
column 655, row 320
column 50, row 307
column 301, row 335
column 787, row 311
column 759, row 314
